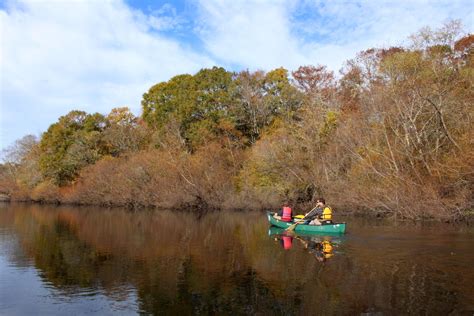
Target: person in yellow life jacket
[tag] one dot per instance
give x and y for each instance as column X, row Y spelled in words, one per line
column 320, row 214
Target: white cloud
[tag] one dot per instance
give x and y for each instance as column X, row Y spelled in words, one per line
column 254, row 34
column 165, row 18
column 88, row 55
column 268, row 34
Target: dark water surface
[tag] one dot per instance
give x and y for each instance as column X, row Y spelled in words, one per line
column 74, row 261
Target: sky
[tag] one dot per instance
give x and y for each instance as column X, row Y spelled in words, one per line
column 95, row 55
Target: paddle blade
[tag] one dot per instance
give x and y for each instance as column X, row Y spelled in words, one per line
column 292, row 227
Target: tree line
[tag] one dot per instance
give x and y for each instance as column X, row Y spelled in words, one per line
column 390, row 134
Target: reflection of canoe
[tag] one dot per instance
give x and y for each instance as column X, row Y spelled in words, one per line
column 277, row 231
column 274, row 231
column 336, row 228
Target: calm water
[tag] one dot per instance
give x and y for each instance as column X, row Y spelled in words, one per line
column 66, row 260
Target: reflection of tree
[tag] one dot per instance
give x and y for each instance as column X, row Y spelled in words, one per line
column 222, row 263
column 177, row 263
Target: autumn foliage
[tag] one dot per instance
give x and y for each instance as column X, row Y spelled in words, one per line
column 391, row 134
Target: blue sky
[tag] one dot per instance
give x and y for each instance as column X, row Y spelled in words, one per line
column 94, row 55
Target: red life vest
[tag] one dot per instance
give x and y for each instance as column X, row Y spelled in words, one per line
column 286, row 217
column 287, row 241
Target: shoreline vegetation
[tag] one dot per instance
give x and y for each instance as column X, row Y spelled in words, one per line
column 390, row 135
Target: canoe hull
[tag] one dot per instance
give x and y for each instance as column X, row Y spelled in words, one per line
column 336, row 228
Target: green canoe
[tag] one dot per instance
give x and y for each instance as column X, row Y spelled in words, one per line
column 336, row 228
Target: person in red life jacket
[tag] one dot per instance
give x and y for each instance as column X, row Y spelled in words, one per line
column 284, row 214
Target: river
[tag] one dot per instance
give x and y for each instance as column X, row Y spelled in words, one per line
column 83, row 260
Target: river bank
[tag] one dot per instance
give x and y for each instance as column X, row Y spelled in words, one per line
column 4, row 197
column 466, row 217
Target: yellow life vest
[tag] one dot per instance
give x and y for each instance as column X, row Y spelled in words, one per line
column 327, row 214
column 328, row 255
column 327, row 249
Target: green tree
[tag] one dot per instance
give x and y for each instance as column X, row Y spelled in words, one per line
column 198, row 103
column 70, row 144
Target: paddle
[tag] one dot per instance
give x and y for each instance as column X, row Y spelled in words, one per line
column 293, row 226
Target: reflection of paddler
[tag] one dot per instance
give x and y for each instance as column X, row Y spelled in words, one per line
column 321, row 250
column 285, row 241
column 326, row 248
